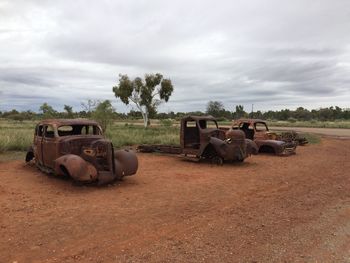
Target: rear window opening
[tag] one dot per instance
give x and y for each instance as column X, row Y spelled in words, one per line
column 40, row 130
column 191, row 124
column 204, row 124
column 259, row 126
column 69, row 130
column 49, row 132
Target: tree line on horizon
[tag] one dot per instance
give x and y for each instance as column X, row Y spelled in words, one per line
column 101, row 110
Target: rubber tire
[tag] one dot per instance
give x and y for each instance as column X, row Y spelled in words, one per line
column 219, row 161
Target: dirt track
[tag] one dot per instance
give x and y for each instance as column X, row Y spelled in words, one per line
column 329, row 132
column 268, row 209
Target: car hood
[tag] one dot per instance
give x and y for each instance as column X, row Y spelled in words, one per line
column 275, row 142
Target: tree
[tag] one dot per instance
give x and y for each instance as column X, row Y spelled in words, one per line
column 215, row 108
column 302, row 114
column 89, row 106
column 47, row 111
column 258, row 115
column 147, row 95
column 284, row 114
column 239, row 113
column 103, row 113
column 69, row 111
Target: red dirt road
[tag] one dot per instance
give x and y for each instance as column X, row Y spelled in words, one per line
column 329, row 132
column 268, row 209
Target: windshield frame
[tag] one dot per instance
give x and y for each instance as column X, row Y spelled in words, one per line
column 77, row 130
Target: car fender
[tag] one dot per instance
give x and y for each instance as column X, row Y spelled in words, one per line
column 125, row 163
column 252, row 148
column 76, row 167
column 227, row 151
column 277, row 146
column 220, row 146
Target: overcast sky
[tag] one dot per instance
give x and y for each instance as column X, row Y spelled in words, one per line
column 274, row 54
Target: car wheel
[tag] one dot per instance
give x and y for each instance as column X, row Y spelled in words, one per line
column 217, row 160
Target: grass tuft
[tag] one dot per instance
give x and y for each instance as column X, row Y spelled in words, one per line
column 312, row 138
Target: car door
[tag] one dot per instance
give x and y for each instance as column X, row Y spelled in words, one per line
column 49, row 143
column 38, row 137
column 260, row 131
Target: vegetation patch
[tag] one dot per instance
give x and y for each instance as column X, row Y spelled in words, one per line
column 311, row 138
column 123, row 135
column 16, row 135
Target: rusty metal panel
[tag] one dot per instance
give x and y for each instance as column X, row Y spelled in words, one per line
column 75, row 167
column 126, row 163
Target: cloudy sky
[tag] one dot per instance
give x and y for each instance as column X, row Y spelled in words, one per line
column 274, row 54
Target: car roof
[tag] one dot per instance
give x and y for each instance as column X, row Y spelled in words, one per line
column 60, row 122
column 251, row 121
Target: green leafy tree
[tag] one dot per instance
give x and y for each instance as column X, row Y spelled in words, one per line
column 103, row 113
column 69, row 111
column 239, row 113
column 257, row 115
column 146, row 94
column 47, row 111
column 215, row 108
column 284, row 114
column 302, row 114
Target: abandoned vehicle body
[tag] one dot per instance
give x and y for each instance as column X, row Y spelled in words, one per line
column 77, row 148
column 201, row 138
column 267, row 142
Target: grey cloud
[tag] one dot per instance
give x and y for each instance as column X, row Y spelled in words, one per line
column 27, row 80
column 307, row 52
column 268, row 53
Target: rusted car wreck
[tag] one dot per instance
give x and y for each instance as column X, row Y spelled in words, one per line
column 201, row 138
column 267, row 141
column 77, row 148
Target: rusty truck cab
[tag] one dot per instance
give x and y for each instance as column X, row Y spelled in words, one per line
column 195, row 133
column 257, row 130
column 254, row 129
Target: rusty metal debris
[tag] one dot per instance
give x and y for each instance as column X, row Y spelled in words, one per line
column 77, row 148
column 288, row 136
column 201, row 138
column 268, row 142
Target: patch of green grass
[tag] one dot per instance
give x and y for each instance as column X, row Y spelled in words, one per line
column 311, row 138
column 122, row 135
column 15, row 135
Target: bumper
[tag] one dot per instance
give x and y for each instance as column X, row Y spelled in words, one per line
column 125, row 164
column 121, row 163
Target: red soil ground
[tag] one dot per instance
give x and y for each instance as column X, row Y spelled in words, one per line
column 267, row 209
